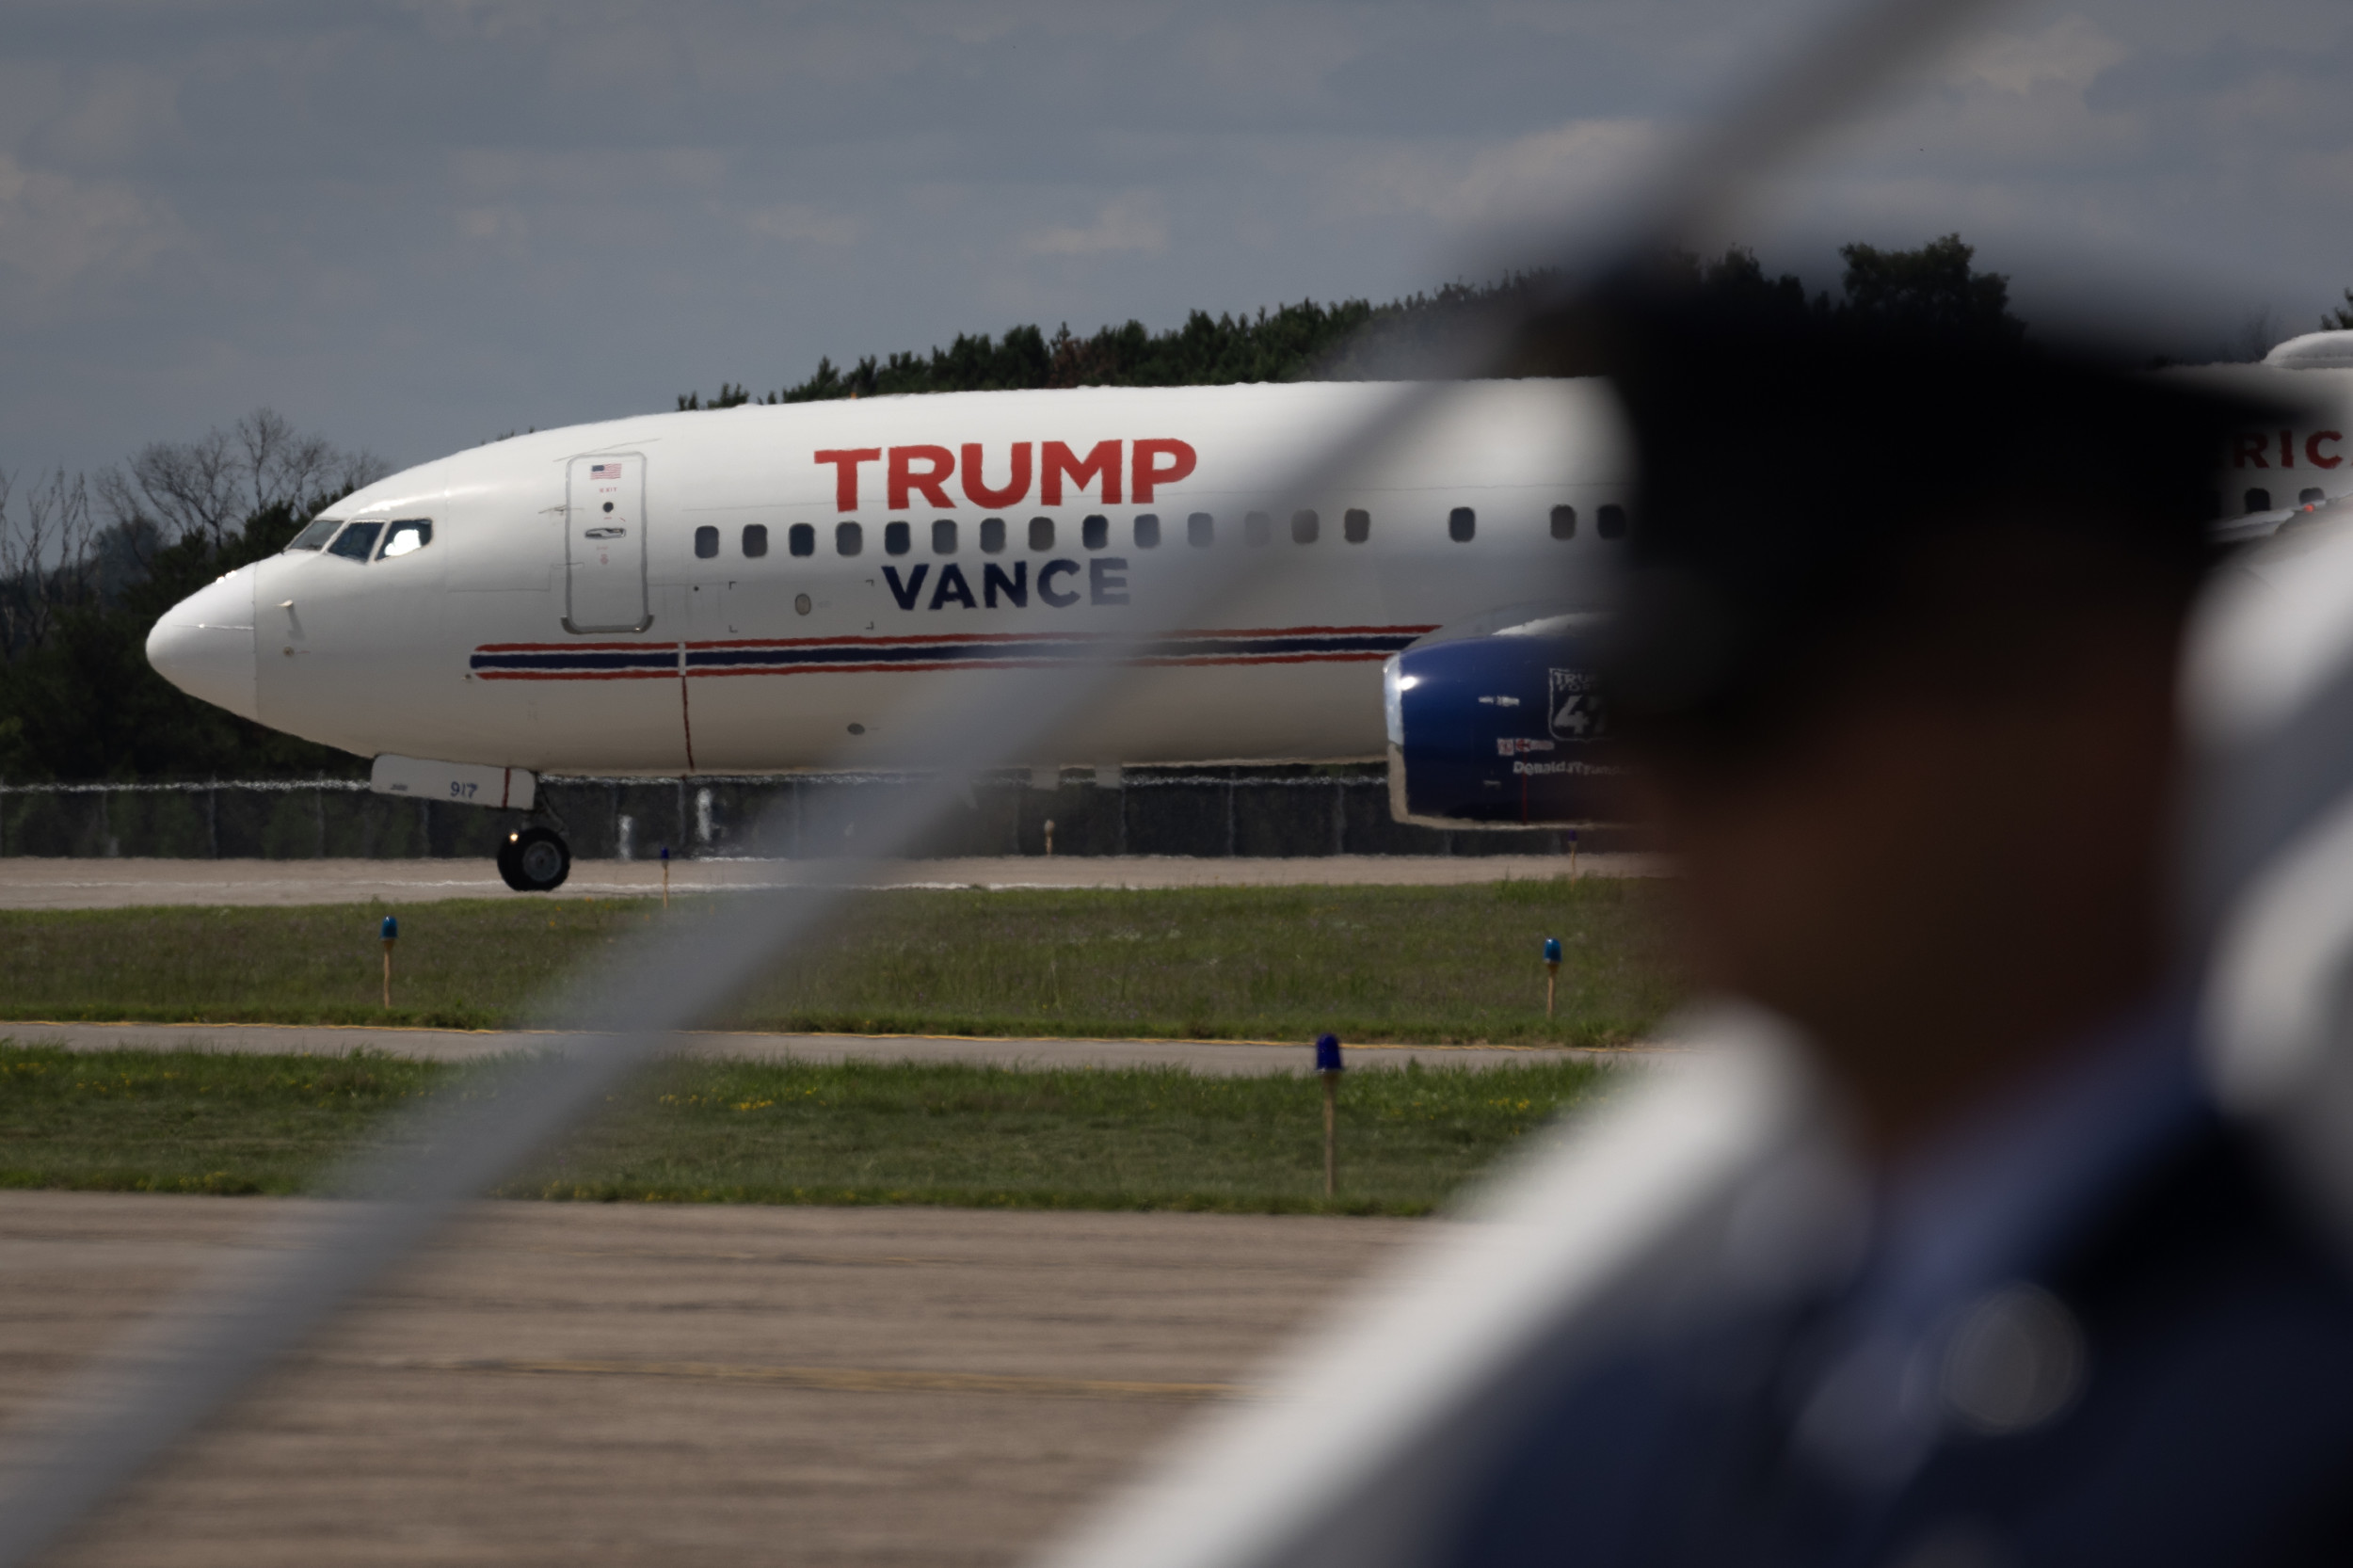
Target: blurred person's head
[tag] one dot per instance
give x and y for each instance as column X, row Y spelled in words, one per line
column 1897, row 660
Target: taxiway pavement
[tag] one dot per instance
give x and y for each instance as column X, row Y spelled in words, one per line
column 62, row 884
column 560, row 1383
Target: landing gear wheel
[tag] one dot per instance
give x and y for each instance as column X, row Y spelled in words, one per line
column 535, row 860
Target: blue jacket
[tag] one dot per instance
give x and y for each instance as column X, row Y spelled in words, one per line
column 2091, row 1329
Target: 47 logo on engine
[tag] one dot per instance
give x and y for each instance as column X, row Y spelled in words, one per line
column 1574, row 711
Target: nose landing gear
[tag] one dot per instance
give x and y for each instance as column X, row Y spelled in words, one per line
column 535, row 859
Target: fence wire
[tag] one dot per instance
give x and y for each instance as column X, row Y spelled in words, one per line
column 1206, row 812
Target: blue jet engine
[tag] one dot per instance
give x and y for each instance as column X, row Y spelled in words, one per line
column 1499, row 723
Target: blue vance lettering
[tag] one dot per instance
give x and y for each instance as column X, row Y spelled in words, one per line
column 951, row 587
column 1045, row 575
column 1107, row 580
column 1016, row 587
column 906, row 592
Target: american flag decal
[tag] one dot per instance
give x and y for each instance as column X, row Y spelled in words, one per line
column 604, row 471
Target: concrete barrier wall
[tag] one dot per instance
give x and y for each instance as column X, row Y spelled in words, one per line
column 1195, row 811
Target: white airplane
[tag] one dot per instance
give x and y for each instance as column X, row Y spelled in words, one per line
column 2273, row 477
column 767, row 589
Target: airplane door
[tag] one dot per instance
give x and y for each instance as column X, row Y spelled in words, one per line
column 605, row 544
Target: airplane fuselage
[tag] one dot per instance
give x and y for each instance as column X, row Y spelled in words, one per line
column 769, row 588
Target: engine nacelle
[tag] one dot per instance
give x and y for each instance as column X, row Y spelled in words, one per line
column 1500, row 724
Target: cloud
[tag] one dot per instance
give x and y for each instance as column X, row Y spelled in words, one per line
column 112, row 118
column 1127, row 223
column 60, row 237
column 803, row 224
column 601, row 175
column 495, row 223
column 218, row 198
column 1534, row 176
column 2073, row 52
column 1538, row 175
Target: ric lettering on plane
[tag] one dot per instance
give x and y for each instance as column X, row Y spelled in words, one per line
column 1115, row 471
column 2281, row 449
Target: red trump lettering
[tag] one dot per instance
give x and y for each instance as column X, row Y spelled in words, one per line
column 845, row 461
column 938, row 464
column 1151, row 471
column 977, row 488
column 1101, row 464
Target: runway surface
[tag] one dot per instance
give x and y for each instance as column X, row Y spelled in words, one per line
column 1214, row 1058
column 621, row 1384
column 56, row 883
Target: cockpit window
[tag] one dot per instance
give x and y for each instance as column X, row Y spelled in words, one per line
column 406, row 534
column 358, row 541
column 317, row 536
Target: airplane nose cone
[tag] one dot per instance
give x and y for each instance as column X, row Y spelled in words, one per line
column 204, row 644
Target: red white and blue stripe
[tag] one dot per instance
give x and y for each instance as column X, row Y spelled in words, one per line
column 650, row 660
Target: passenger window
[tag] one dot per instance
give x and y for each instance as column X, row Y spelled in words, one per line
column 1200, row 530
column 406, row 534
column 801, row 540
column 898, row 539
column 992, row 535
column 706, row 542
column 1256, row 528
column 1609, row 522
column 1461, row 523
column 944, row 536
column 755, row 539
column 1304, row 527
column 2304, row 498
column 317, row 536
column 358, row 542
column 1356, row 525
column 2258, row 500
column 1041, row 533
column 1095, row 531
column 848, row 538
column 1564, row 522
column 1147, row 531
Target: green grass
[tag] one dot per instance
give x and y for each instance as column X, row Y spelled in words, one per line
column 190, row 1121
column 1423, row 964
column 746, row 1132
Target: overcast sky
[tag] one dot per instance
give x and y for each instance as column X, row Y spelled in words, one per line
column 413, row 226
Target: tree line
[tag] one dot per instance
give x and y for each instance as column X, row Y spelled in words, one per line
column 1935, row 286
column 88, row 562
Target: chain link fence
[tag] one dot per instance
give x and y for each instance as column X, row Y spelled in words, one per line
column 1280, row 812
